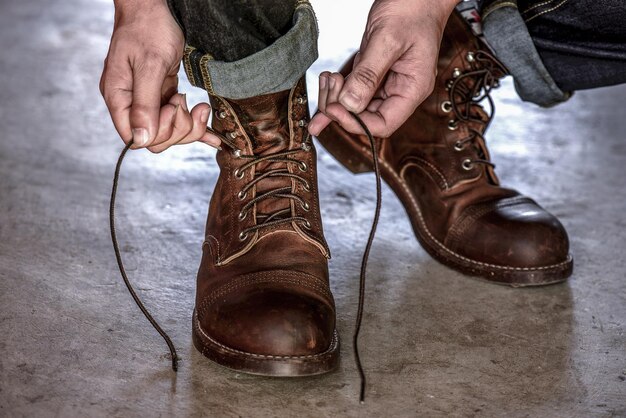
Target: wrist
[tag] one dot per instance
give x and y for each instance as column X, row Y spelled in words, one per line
column 137, row 5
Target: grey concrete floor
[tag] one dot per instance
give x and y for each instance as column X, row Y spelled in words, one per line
column 434, row 343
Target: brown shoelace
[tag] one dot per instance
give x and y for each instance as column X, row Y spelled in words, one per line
column 276, row 218
column 270, row 218
column 118, row 256
column 465, row 96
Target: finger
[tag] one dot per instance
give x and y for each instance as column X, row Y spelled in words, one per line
column 375, row 59
column 339, row 114
column 182, row 124
column 200, row 117
column 116, row 88
column 318, row 123
column 211, row 139
column 383, row 122
column 146, row 113
column 194, row 128
column 335, row 84
column 166, row 124
column 374, row 105
column 323, row 91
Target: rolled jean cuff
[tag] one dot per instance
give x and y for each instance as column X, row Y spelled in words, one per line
column 507, row 34
column 275, row 68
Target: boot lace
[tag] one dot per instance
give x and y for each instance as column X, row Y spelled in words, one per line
column 266, row 220
column 467, row 90
column 278, row 217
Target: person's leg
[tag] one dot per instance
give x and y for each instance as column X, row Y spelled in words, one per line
column 582, row 43
column 240, row 49
column 263, row 301
column 232, row 30
column 554, row 47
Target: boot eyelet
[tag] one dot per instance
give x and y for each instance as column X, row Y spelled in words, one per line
column 307, row 224
column 242, row 215
column 305, row 146
column 467, row 165
column 220, row 114
column 470, row 57
column 456, row 73
column 243, row 235
column 446, row 106
column 306, row 186
column 237, row 153
column 301, row 100
column 233, row 134
column 302, row 166
column 302, row 123
column 458, row 146
column 242, row 195
column 453, row 125
column 306, row 206
column 238, row 174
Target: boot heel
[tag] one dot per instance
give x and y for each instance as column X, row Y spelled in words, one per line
column 346, row 149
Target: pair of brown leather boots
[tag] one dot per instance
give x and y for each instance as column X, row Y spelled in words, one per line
column 263, row 301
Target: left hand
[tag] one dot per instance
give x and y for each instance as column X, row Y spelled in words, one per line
column 394, row 71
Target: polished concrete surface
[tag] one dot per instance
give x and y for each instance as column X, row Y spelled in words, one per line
column 434, row 343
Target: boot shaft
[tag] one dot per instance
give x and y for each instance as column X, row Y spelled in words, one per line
column 268, row 179
column 447, row 130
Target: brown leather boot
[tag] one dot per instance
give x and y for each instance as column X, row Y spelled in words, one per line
column 438, row 165
column 263, row 302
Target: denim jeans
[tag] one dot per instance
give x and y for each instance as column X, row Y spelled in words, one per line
column 245, row 48
column 553, row 47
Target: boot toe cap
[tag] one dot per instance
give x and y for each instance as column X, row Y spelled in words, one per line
column 274, row 319
column 516, row 234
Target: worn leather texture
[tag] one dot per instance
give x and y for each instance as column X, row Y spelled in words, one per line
column 438, row 163
column 263, row 302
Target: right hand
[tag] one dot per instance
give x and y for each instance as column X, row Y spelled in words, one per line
column 139, row 81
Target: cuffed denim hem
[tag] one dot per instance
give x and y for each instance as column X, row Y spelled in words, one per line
column 506, row 33
column 275, row 68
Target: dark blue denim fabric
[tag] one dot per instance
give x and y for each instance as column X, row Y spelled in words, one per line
column 244, row 48
column 230, row 30
column 582, row 43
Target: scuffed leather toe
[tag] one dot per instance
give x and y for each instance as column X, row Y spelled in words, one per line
column 514, row 232
column 270, row 318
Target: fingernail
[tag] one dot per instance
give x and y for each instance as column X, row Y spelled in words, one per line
column 323, row 81
column 332, row 82
column 175, row 113
column 350, row 100
column 140, row 136
column 204, row 116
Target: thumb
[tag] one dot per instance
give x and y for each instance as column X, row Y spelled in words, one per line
column 144, row 113
column 375, row 59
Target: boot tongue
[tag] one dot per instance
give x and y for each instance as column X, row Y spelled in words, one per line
column 266, row 122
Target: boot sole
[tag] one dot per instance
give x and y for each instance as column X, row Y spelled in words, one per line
column 265, row 365
column 357, row 158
